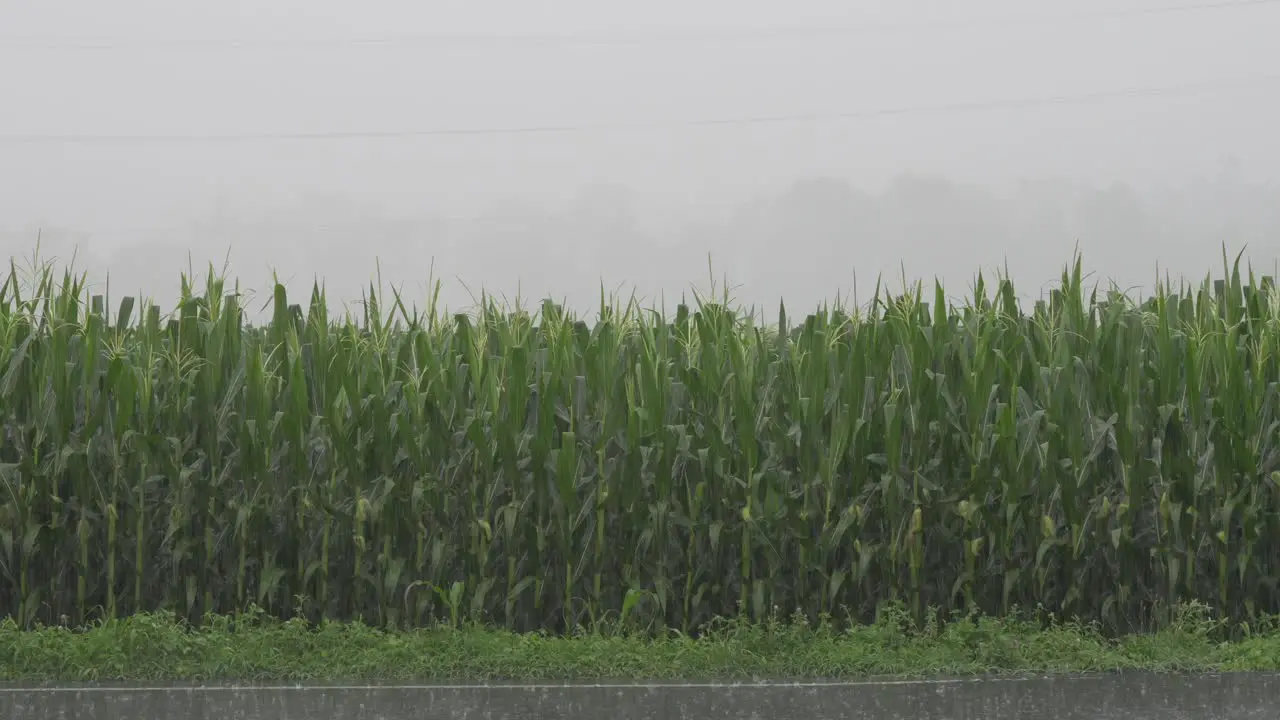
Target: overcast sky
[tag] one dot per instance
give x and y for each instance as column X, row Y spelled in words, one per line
column 858, row 138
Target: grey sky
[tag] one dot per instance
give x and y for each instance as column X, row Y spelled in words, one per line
column 1142, row 179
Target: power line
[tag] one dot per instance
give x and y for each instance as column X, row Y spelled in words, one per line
column 693, row 35
column 1012, row 103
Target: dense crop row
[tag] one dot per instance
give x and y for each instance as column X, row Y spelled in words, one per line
column 1089, row 454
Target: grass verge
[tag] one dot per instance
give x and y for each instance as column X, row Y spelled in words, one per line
column 256, row 648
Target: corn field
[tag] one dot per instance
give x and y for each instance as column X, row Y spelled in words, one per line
column 1095, row 455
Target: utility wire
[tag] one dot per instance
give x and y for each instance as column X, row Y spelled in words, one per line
column 1012, row 103
column 692, row 35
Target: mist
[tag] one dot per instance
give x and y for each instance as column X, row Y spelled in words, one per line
column 794, row 151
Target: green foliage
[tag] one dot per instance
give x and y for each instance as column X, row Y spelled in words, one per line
column 254, row 647
column 1094, row 456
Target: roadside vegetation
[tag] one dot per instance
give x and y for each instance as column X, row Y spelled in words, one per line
column 507, row 472
column 257, row 648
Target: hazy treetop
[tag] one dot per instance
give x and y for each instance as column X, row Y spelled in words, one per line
column 856, row 136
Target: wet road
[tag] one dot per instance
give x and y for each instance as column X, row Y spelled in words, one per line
column 1107, row 697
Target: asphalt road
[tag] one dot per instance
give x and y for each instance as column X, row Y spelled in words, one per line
column 1243, row 696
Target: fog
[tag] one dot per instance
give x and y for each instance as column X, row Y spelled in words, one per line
column 797, row 150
